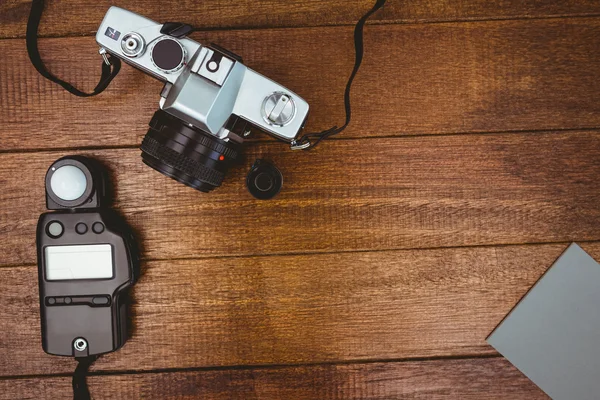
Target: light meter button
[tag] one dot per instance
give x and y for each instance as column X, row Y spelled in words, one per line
column 101, row 300
column 98, row 227
column 55, row 229
column 81, row 228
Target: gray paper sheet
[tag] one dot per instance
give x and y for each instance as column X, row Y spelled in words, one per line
column 553, row 334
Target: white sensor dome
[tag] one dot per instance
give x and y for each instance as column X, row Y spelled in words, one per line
column 68, row 183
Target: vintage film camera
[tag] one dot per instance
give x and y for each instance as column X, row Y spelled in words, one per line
column 87, row 261
column 209, row 102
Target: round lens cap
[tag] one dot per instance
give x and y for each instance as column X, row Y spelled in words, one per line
column 264, row 180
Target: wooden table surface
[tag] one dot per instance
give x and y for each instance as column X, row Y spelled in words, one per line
column 392, row 251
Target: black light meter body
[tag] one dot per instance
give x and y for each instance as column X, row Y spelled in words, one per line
column 87, row 262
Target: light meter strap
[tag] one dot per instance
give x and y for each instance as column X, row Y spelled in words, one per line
column 80, row 388
column 109, row 70
column 304, row 142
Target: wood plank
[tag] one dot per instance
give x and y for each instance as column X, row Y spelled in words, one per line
column 376, row 194
column 83, row 17
column 455, row 379
column 296, row 309
column 417, row 79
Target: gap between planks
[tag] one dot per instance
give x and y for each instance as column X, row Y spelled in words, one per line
column 245, row 367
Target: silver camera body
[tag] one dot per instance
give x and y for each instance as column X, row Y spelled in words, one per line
column 204, row 86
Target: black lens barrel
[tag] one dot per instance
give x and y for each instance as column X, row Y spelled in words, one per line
column 186, row 154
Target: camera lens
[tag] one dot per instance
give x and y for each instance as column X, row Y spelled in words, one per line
column 186, row 154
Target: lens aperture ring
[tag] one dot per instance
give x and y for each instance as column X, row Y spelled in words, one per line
column 212, row 144
column 163, row 121
column 181, row 162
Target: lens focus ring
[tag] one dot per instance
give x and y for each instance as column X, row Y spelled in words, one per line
column 182, row 163
column 186, row 154
column 202, row 139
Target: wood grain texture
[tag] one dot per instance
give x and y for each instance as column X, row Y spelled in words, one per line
column 470, row 379
column 417, row 79
column 235, row 289
column 376, row 194
column 296, row 309
column 76, row 17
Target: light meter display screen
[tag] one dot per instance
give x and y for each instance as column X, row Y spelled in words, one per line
column 79, row 262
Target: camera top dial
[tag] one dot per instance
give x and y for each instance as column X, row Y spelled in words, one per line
column 168, row 54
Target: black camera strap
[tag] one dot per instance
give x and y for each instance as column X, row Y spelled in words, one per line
column 109, row 71
column 305, row 141
column 178, row 29
column 80, row 388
